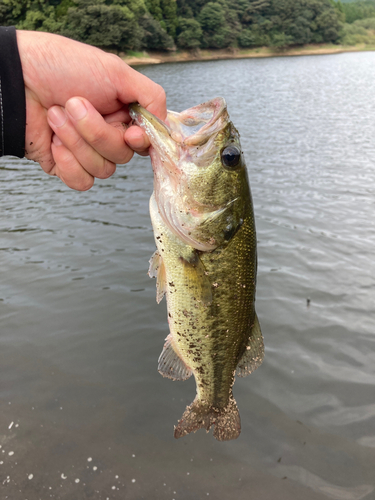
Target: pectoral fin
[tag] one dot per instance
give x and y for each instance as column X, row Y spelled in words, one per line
column 199, row 283
column 170, row 365
column 253, row 356
column 157, row 270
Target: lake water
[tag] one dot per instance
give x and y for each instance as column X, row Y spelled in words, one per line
column 84, row 413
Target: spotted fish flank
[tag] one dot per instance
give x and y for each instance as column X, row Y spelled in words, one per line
column 205, row 262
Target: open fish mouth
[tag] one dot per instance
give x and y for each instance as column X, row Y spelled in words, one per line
column 192, row 127
column 188, row 172
column 196, row 125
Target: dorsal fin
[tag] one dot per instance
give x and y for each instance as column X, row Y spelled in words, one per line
column 170, row 364
column 253, row 356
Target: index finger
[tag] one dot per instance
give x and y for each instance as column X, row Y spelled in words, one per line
column 132, row 86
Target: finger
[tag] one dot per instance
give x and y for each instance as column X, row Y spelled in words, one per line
column 132, row 86
column 90, row 159
column 105, row 139
column 68, row 169
column 121, row 116
column 137, row 140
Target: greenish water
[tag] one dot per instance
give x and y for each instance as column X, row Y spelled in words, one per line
column 84, row 413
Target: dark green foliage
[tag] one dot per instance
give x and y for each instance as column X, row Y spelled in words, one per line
column 108, row 26
column 184, row 9
column 190, row 8
column 14, row 11
column 190, row 35
column 170, row 20
column 191, row 24
column 30, row 14
column 253, row 37
column 61, row 8
column 219, row 25
column 164, row 11
column 154, row 9
column 280, row 23
column 154, row 36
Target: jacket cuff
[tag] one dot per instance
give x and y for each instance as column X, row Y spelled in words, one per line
column 12, row 96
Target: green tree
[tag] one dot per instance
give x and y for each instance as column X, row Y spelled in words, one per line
column 169, row 8
column 154, row 8
column 14, row 11
column 190, row 34
column 190, row 8
column 358, row 10
column 38, row 20
column 184, row 9
column 62, row 7
column 361, row 31
column 254, row 10
column 253, row 36
column 300, row 30
column 305, row 20
column 31, row 14
column 107, row 26
column 164, row 11
column 154, row 36
column 217, row 31
column 281, row 40
column 160, row 24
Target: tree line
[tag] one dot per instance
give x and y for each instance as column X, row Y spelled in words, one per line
column 163, row 25
column 358, row 10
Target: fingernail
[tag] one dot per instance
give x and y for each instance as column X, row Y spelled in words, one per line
column 56, row 140
column 57, row 116
column 76, row 108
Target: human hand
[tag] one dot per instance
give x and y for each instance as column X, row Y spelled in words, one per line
column 78, row 143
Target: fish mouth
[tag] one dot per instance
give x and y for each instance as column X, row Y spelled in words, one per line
column 192, row 127
column 196, row 125
column 185, row 143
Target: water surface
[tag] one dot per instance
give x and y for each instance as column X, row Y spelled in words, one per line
column 84, row 413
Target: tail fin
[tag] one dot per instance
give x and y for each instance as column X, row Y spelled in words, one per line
column 226, row 420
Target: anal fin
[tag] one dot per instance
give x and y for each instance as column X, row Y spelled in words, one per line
column 170, row 365
column 253, row 356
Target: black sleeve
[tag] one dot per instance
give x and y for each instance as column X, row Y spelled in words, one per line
column 12, row 96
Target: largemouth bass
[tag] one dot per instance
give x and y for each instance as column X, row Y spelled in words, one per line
column 206, row 259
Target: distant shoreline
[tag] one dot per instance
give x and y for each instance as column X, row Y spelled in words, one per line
column 213, row 55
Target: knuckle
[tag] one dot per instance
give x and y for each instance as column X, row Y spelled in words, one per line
column 77, row 144
column 63, row 156
column 161, row 95
column 126, row 157
column 79, row 182
column 96, row 138
column 84, row 184
column 106, row 170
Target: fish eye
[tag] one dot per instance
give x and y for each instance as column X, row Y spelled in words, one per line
column 230, row 157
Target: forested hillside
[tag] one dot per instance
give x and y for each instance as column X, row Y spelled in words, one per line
column 186, row 24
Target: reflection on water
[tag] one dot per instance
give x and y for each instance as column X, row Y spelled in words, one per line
column 317, row 484
column 84, row 413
